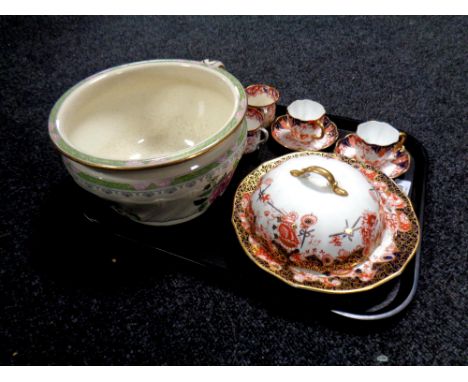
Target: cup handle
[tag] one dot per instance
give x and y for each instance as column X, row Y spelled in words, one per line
column 322, row 129
column 265, row 135
column 213, row 63
column 401, row 141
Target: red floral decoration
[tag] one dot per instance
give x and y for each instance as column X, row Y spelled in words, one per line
column 308, row 220
column 336, row 241
column 287, row 235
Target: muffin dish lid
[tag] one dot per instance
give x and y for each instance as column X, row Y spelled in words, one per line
column 317, row 204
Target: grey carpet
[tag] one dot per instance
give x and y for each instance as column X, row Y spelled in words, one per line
column 409, row 71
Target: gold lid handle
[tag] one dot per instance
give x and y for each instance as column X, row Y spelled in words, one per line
column 326, row 174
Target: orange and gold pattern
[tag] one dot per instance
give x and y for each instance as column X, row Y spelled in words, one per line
column 356, row 271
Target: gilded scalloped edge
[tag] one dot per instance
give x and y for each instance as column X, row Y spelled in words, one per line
column 406, row 242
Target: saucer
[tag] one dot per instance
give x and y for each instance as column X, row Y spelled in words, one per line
column 399, row 241
column 280, row 131
column 391, row 163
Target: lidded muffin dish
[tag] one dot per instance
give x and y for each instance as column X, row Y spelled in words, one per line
column 319, row 209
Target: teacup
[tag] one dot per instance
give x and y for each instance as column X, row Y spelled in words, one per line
column 256, row 134
column 263, row 98
column 307, row 120
column 381, row 136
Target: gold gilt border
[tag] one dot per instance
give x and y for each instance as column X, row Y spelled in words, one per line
column 406, row 242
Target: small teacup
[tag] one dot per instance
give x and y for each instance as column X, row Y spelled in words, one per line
column 263, row 98
column 307, row 120
column 381, row 136
column 256, row 134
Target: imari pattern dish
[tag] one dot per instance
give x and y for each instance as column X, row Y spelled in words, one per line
column 392, row 163
column 263, row 98
column 160, row 138
column 325, row 223
column 282, row 132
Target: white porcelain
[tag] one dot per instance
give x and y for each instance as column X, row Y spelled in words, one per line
column 319, row 272
column 378, row 133
column 263, row 98
column 306, row 110
column 255, row 139
column 161, row 138
column 299, row 208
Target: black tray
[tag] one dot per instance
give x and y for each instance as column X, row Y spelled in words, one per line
column 100, row 237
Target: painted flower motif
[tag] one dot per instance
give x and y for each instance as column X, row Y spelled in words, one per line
column 244, row 221
column 308, row 220
column 245, row 201
column 140, row 186
column 380, row 186
column 336, row 241
column 265, row 256
column 247, row 214
column 370, row 174
column 302, row 276
column 351, row 140
column 327, row 259
column 289, row 218
column 265, row 198
column 287, row 236
column 268, row 181
column 297, row 258
column 391, row 221
column 219, row 190
column 404, row 224
column 163, row 182
column 253, row 242
column 369, row 219
column 395, row 201
column 368, row 224
column 329, row 282
column 367, row 275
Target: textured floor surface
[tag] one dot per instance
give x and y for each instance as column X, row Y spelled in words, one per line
column 411, row 72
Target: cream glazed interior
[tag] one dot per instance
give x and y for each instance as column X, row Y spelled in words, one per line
column 146, row 111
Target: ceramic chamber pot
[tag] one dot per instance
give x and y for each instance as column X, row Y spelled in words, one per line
column 161, row 139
